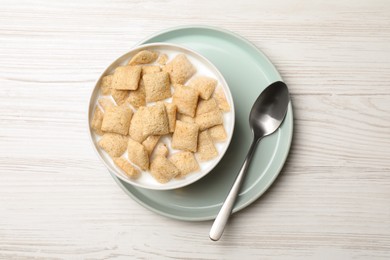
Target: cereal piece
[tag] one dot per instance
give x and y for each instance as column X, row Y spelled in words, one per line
column 155, row 120
column 185, row 118
column 135, row 130
column 180, row 69
column 106, row 103
column 204, row 85
column 157, row 86
column 137, row 97
column 217, row 133
column 117, row 120
column 220, row 97
column 143, row 57
column 205, row 106
column 120, row 96
column 209, row 119
column 150, row 143
column 137, row 154
column 185, row 162
column 126, row 78
column 185, row 136
column 206, row 148
column 125, row 166
column 171, row 112
column 114, row 144
column 105, row 84
column 150, row 69
column 96, row 123
column 186, row 100
column 162, row 169
column 162, row 150
column 162, row 60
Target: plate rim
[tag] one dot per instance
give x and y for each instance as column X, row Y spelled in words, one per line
column 285, row 155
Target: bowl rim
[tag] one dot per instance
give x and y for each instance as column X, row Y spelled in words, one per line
column 94, row 94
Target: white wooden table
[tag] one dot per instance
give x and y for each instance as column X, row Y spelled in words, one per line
column 331, row 201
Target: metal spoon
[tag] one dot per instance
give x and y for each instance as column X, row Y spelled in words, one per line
column 266, row 116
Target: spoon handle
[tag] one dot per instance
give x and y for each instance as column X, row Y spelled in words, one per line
column 227, row 207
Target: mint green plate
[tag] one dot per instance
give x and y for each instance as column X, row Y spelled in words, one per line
column 247, row 72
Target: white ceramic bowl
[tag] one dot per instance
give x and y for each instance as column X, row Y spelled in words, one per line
column 204, row 67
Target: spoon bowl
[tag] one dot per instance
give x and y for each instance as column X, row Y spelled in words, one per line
column 266, row 116
column 269, row 109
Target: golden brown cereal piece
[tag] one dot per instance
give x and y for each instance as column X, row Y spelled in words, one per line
column 105, row 85
column 136, row 129
column 186, row 100
column 180, row 69
column 117, row 120
column 217, row 133
column 137, row 154
column 125, row 166
column 137, row 97
column 143, row 57
column 209, row 119
column 114, row 144
column 162, row 150
column 96, row 123
column 205, row 106
column 147, row 69
column 150, row 143
column 204, row 85
column 155, row 120
column 120, row 96
column 157, row 86
column 106, row 103
column 185, row 162
column 162, row 169
column 126, row 78
column 162, row 59
column 171, row 112
column 185, row 118
column 206, row 148
column 185, row 136
column 220, row 97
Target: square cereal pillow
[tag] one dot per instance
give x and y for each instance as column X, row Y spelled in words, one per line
column 180, row 69
column 209, row 119
column 147, row 69
column 206, row 148
column 143, row 57
column 157, row 86
column 171, row 112
column 186, row 100
column 204, row 85
column 155, row 120
column 185, row 162
column 137, row 97
column 161, row 150
column 105, row 84
column 106, row 103
column 205, row 106
column 97, row 119
column 150, row 143
column 136, row 129
column 217, row 133
column 117, row 120
column 114, row 144
column 137, row 154
column 220, row 97
column 185, row 136
column 162, row 169
column 126, row 77
column 120, row 96
column 125, row 166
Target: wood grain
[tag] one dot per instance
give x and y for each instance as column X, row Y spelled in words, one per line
column 330, row 202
